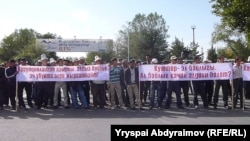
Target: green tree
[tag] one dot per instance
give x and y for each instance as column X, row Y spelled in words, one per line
column 235, row 43
column 235, row 14
column 177, row 48
column 146, row 34
column 192, row 50
column 211, row 55
column 22, row 44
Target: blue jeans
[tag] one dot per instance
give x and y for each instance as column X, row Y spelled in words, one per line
column 79, row 90
column 155, row 87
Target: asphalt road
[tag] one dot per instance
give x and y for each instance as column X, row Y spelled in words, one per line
column 94, row 125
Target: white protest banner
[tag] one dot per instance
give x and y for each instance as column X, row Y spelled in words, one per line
column 181, row 72
column 246, row 71
column 63, row 73
column 73, row 45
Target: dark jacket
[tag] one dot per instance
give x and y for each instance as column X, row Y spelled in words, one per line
column 128, row 76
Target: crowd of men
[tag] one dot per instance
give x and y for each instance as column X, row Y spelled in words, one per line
column 123, row 90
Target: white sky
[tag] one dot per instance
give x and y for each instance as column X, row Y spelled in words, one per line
column 90, row 19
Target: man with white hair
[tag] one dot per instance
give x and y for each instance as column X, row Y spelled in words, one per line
column 98, row 88
column 42, row 93
column 155, row 86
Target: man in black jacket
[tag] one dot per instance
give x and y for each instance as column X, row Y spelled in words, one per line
column 10, row 74
column 132, row 82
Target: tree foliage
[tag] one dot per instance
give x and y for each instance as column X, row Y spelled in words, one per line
column 146, row 34
column 212, row 55
column 177, row 48
column 235, row 14
column 22, row 44
column 235, row 43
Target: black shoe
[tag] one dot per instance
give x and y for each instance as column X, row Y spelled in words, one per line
column 150, row 107
column 167, row 107
column 180, row 107
column 132, row 108
column 160, row 108
column 215, row 106
column 55, row 107
column 66, row 107
column 31, row 105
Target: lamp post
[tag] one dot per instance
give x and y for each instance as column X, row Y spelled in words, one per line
column 128, row 41
column 193, row 27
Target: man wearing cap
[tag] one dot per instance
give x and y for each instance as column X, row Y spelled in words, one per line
column 10, row 74
column 42, row 91
column 155, row 87
column 98, row 88
column 28, row 89
column 174, row 86
column 115, row 84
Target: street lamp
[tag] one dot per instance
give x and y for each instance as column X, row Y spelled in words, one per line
column 193, row 27
column 128, row 40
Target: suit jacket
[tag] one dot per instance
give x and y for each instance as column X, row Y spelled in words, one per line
column 128, row 76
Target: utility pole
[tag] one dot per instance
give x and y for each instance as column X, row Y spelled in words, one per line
column 193, row 27
column 128, row 41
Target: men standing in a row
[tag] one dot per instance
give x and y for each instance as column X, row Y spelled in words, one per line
column 28, row 89
column 10, row 74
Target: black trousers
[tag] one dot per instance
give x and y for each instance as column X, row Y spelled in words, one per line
column 238, row 91
column 1, row 95
column 185, row 89
column 199, row 89
column 28, row 89
column 224, row 85
column 209, row 90
column 42, row 94
column 11, row 91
